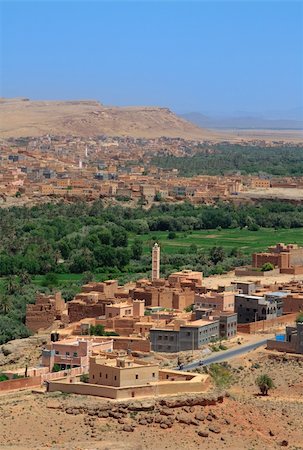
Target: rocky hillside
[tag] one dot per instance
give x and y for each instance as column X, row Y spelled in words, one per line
column 23, row 117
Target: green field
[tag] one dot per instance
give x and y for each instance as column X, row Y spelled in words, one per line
column 245, row 240
column 64, row 278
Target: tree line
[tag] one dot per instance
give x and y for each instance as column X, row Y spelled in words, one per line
column 89, row 237
column 221, row 159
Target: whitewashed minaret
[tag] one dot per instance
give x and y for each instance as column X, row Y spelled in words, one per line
column 156, row 262
column 80, row 164
column 86, row 151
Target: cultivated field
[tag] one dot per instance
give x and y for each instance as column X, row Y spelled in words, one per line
column 244, row 240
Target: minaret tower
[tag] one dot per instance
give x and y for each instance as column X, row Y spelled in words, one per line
column 86, row 151
column 80, row 164
column 156, row 262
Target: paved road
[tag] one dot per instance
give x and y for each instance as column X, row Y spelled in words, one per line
column 225, row 355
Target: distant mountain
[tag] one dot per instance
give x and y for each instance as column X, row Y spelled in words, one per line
column 243, row 122
column 23, row 117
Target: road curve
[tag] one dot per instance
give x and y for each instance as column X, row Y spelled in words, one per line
column 225, row 355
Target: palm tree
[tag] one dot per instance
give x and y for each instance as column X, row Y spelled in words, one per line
column 265, row 383
column 24, row 277
column 5, row 304
column 11, row 285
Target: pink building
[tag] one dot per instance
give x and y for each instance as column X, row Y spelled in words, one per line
column 70, row 353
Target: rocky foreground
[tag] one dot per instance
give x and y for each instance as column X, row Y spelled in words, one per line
column 236, row 419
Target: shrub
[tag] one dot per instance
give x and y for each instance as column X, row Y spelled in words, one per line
column 171, row 235
column 222, row 347
column 221, row 375
column 265, row 383
column 3, row 377
column 56, row 368
column 299, row 318
column 84, row 378
column 267, row 267
column 97, row 330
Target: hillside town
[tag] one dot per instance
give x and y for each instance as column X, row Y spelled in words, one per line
column 107, row 340
column 43, row 169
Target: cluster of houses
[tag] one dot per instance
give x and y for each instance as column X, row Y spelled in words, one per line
column 110, row 334
column 115, row 168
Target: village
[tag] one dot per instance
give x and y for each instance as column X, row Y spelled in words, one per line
column 110, row 341
column 50, row 168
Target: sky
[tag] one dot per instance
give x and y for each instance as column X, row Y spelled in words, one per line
column 214, row 57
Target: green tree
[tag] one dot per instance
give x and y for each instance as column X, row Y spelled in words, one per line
column 265, row 383
column 50, row 280
column 11, row 285
column 87, row 277
column 3, row 377
column 24, row 277
column 171, row 235
column 137, row 249
column 267, row 267
column 216, row 254
column 56, row 368
column 5, row 304
column 96, row 330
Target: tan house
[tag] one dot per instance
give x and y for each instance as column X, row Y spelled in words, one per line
column 121, row 372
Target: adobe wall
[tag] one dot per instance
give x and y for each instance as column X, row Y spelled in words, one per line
column 280, row 346
column 165, row 299
column 265, row 325
column 78, row 311
column 292, row 304
column 20, row 383
column 296, row 270
column 153, row 390
column 246, row 272
column 296, row 257
column 62, row 373
column 40, row 316
column 133, row 345
column 123, row 326
column 258, row 259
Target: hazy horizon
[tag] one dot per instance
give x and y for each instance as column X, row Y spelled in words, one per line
column 219, row 58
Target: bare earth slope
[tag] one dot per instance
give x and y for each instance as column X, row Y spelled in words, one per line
column 22, row 117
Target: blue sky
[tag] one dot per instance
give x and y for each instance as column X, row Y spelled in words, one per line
column 189, row 56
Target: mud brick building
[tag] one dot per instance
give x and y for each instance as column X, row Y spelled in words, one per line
column 46, row 310
column 288, row 258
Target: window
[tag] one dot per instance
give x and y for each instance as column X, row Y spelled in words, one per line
column 75, row 354
column 56, row 352
column 159, row 338
column 165, row 338
column 115, row 377
column 106, row 375
column 171, row 338
column 188, row 333
column 154, row 374
column 67, row 353
column 137, row 376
